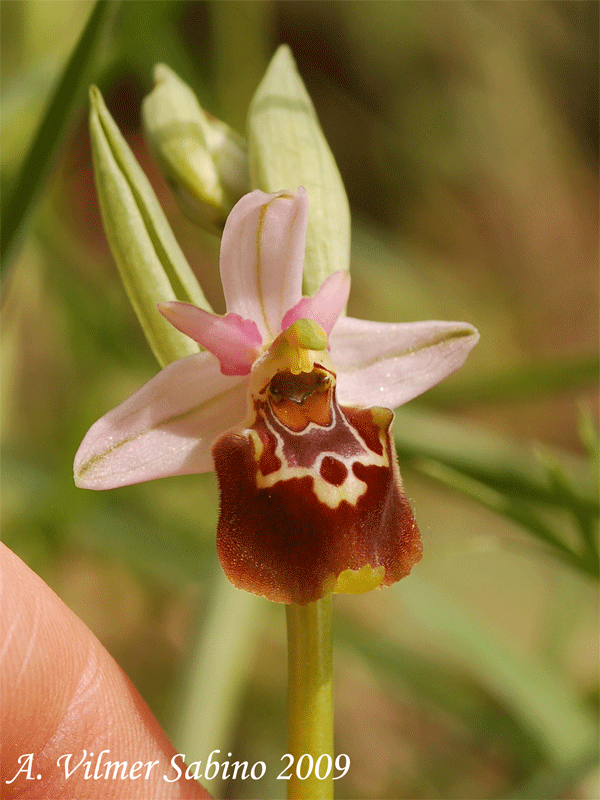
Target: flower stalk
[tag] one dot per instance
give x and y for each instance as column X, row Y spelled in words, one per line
column 310, row 699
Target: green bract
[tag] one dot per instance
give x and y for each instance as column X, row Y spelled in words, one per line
column 203, row 159
column 152, row 265
column 287, row 149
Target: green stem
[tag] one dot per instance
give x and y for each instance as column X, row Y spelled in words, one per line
column 310, row 699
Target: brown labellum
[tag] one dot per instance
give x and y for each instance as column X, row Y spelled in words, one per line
column 311, row 492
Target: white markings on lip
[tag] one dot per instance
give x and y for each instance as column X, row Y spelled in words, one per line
column 354, row 451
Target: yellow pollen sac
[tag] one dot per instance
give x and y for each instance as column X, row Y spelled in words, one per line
column 302, row 337
column 300, row 361
column 358, row 581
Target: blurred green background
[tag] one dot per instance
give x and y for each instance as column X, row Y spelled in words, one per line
column 467, row 137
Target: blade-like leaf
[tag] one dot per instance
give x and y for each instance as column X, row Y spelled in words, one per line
column 68, row 95
column 514, row 509
column 496, row 461
column 537, row 379
column 534, row 692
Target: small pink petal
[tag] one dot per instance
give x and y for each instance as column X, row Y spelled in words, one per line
column 325, row 306
column 262, row 256
column 233, row 340
column 388, row 364
column 166, row 428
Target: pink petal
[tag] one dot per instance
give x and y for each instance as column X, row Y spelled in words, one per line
column 234, row 341
column 325, row 306
column 262, row 255
column 387, row 364
column 166, row 428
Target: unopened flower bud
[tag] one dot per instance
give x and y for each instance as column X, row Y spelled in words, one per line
column 202, row 159
column 151, row 263
column 286, row 149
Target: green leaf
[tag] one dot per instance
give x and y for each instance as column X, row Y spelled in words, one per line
column 535, row 694
column 498, row 462
column 438, row 688
column 67, row 97
column 519, row 483
column 217, row 671
column 588, row 433
column 556, row 782
column 539, row 378
column 512, row 508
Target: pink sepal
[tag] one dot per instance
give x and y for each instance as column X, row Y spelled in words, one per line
column 262, row 256
column 165, row 428
column 388, row 363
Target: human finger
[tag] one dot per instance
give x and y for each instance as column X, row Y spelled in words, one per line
column 73, row 725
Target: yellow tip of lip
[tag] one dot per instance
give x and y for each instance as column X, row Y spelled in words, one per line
column 358, row 581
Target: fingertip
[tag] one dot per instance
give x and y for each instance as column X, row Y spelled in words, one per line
column 64, row 698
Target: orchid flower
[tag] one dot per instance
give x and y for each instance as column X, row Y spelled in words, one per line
column 289, row 402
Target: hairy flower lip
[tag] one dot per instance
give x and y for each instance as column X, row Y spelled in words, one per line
column 299, row 521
